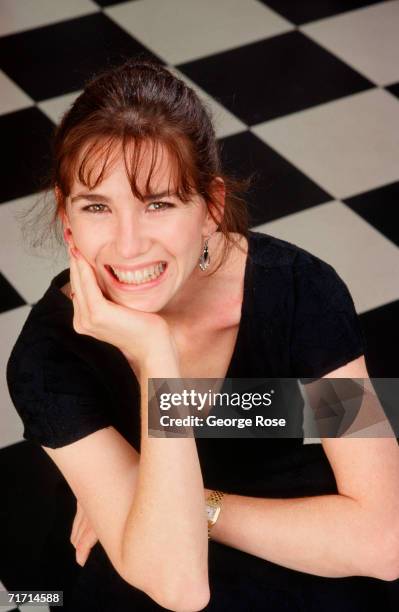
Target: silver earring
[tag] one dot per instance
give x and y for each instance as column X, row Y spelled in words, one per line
column 205, row 258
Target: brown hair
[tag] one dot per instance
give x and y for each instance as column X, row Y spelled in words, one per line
column 142, row 102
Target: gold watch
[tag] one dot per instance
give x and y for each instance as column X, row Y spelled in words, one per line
column 213, row 507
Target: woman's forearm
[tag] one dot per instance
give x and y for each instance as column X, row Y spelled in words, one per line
column 326, row 535
column 165, row 547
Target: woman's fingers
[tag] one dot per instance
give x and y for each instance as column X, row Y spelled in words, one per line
column 83, row 537
column 74, row 531
column 79, row 302
column 86, row 541
column 79, row 533
column 88, row 285
column 81, row 557
column 77, row 525
column 88, row 538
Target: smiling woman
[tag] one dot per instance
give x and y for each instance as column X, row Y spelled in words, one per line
column 168, row 282
column 143, row 250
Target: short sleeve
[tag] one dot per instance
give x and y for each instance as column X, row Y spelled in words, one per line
column 56, row 394
column 326, row 331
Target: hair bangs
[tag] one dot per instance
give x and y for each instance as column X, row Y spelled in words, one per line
column 88, row 162
column 91, row 163
column 180, row 179
column 96, row 162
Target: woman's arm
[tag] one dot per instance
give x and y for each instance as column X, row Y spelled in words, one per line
column 165, row 536
column 156, row 539
column 327, row 535
column 355, row 532
column 161, row 547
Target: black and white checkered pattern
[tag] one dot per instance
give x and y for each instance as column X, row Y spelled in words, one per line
column 303, row 93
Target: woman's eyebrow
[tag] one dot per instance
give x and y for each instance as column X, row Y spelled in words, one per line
column 89, row 196
column 98, row 196
column 162, row 194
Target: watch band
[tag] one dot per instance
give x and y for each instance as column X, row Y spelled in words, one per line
column 213, row 507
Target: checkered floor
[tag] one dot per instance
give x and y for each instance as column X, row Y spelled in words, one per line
column 303, row 93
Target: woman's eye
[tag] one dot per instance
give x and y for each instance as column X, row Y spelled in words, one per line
column 90, row 208
column 162, row 205
column 99, row 208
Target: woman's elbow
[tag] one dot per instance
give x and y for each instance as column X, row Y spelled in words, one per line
column 384, row 560
column 389, row 567
column 193, row 601
column 190, row 599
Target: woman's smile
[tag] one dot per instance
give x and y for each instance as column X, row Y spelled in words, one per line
column 140, row 280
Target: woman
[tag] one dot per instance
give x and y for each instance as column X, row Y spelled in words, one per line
column 166, row 281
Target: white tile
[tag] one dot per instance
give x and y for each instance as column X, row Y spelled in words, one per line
column 35, row 608
column 365, row 260
column 184, row 30
column 225, row 123
column 12, row 97
column 29, row 271
column 366, row 39
column 347, row 146
column 54, row 108
column 19, row 15
column 8, row 608
column 5, row 607
column 11, row 427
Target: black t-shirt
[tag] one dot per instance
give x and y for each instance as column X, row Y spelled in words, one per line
column 298, row 320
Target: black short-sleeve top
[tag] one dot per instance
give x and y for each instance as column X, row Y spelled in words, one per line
column 298, row 320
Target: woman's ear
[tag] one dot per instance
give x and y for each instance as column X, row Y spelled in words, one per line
column 67, row 231
column 63, row 216
column 68, row 236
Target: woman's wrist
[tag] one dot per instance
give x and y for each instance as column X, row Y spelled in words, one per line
column 161, row 353
column 162, row 362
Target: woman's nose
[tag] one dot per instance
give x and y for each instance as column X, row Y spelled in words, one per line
column 131, row 239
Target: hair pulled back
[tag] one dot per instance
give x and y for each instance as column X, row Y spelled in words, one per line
column 137, row 103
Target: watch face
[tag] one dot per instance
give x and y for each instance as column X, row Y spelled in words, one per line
column 212, row 513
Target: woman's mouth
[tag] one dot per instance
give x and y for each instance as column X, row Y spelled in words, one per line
column 143, row 278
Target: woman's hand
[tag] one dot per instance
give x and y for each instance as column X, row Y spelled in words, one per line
column 139, row 335
column 83, row 536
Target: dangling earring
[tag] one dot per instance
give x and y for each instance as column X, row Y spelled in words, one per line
column 205, row 258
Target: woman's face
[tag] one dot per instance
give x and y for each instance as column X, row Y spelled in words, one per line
column 111, row 227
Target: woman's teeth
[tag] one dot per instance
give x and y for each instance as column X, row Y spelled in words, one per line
column 139, row 276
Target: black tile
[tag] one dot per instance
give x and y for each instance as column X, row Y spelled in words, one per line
column 279, row 188
column 302, row 12
column 381, row 330
column 274, row 77
column 394, row 89
column 26, row 135
column 380, row 208
column 59, row 58
column 9, row 297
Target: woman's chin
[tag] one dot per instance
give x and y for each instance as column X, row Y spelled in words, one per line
column 139, row 302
